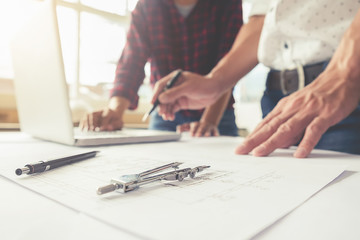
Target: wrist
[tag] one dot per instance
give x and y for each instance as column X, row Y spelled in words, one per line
column 118, row 104
column 209, row 122
column 216, row 80
column 209, row 117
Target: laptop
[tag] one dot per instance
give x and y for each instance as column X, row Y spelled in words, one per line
column 41, row 90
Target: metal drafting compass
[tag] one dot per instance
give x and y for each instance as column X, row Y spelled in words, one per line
column 130, row 182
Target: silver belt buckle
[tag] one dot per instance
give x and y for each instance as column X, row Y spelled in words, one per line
column 301, row 78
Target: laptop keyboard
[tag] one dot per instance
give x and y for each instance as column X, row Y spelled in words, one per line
column 79, row 132
column 125, row 132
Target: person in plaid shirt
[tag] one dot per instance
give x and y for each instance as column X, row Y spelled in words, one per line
column 192, row 35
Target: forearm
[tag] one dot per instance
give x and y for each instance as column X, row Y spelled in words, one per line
column 213, row 113
column 118, row 104
column 130, row 68
column 242, row 56
column 346, row 59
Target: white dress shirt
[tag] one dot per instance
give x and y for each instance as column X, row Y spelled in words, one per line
column 301, row 31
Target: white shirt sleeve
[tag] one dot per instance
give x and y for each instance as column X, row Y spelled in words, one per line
column 259, row 7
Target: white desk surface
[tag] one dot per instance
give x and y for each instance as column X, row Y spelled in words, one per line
column 332, row 213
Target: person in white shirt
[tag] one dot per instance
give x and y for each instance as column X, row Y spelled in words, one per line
column 313, row 89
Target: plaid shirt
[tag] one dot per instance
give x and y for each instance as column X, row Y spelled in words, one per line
column 160, row 35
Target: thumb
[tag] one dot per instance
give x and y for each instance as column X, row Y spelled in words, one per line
column 159, row 87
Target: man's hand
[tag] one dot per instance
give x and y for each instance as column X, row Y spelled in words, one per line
column 108, row 119
column 199, row 129
column 210, row 119
column 192, row 91
column 308, row 113
column 104, row 120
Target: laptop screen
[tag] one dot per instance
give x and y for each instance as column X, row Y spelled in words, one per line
column 40, row 84
column 41, row 89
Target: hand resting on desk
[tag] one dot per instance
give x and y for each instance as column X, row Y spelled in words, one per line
column 199, row 129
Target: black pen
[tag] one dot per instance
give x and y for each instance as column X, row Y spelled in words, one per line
column 43, row 166
column 168, row 85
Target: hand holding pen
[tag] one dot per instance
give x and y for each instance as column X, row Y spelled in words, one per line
column 193, row 92
column 169, row 84
column 43, row 166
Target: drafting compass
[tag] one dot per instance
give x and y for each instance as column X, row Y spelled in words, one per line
column 130, row 182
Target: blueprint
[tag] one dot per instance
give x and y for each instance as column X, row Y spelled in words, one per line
column 236, row 198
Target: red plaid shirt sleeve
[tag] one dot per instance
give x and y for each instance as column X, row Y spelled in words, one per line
column 130, row 69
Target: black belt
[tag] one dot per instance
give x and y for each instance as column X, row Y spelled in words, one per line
column 288, row 80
